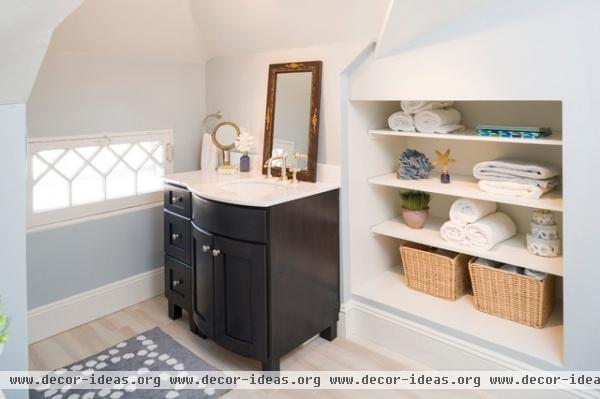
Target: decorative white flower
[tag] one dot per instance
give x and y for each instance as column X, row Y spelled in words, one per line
column 244, row 142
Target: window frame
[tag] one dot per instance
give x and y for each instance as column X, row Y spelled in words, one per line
column 74, row 212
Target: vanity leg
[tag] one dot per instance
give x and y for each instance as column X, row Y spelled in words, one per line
column 330, row 333
column 194, row 328
column 270, row 365
column 174, row 311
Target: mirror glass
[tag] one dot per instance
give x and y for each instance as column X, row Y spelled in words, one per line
column 224, row 135
column 292, row 116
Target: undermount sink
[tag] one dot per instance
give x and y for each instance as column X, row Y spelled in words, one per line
column 254, row 188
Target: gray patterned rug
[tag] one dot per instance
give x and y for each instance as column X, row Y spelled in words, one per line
column 152, row 350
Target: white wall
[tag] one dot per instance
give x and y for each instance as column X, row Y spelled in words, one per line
column 523, row 50
column 13, row 294
column 238, row 87
column 77, row 93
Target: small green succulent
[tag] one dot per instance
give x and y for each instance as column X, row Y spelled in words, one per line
column 3, row 328
column 415, row 200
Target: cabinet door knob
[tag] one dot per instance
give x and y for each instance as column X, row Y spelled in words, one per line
column 215, row 252
column 205, row 248
column 176, row 283
column 175, row 199
column 174, row 236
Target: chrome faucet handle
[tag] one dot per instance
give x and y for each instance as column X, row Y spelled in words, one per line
column 268, row 166
column 297, row 156
column 284, row 157
column 295, row 176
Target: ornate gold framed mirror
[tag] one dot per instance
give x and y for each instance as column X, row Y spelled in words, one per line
column 292, row 118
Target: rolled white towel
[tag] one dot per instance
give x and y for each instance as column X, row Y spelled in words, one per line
column 401, row 121
column 517, row 169
column 489, row 231
column 412, row 107
column 454, row 232
column 516, row 189
column 465, row 210
column 438, row 121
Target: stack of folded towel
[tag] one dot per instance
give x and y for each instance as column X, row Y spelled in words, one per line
column 426, row 116
column 516, row 177
column 476, row 224
column 540, row 276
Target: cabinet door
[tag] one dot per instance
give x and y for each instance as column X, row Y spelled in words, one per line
column 241, row 297
column 203, row 281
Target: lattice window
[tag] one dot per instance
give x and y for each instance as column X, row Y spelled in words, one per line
column 86, row 175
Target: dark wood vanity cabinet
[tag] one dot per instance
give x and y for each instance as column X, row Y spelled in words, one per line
column 264, row 280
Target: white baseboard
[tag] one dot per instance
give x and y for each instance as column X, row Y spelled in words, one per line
column 54, row 318
column 436, row 350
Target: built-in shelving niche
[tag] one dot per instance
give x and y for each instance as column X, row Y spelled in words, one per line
column 375, row 234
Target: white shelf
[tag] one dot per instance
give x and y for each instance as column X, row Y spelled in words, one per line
column 389, row 289
column 469, row 135
column 466, row 186
column 513, row 250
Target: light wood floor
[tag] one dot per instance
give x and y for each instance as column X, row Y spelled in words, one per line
column 318, row 354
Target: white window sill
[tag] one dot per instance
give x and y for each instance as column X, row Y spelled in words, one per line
column 83, row 219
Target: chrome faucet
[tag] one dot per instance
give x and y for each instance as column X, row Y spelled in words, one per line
column 297, row 156
column 268, row 164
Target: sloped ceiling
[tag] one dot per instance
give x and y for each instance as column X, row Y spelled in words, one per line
column 406, row 20
column 247, row 26
column 154, row 29
column 25, row 31
column 195, row 30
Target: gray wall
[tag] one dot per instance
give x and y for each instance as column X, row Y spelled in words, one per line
column 82, row 256
column 85, row 94
column 12, row 237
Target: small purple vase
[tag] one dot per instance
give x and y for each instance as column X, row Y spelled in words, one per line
column 245, row 163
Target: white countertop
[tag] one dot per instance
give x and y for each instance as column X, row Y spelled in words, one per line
column 213, row 186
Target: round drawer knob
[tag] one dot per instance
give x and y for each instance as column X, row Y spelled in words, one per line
column 215, row 252
column 174, row 236
column 175, row 199
column 205, row 248
column 176, row 283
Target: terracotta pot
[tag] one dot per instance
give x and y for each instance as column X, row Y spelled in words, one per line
column 415, row 219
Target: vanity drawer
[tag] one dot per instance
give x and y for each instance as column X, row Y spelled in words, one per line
column 233, row 221
column 178, row 237
column 178, row 200
column 178, row 282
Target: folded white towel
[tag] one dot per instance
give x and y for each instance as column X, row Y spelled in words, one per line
column 514, row 169
column 209, row 155
column 454, row 232
column 412, row 107
column 488, row 262
column 465, row 210
column 512, row 269
column 539, row 276
column 489, row 231
column 516, row 189
column 401, row 121
column 438, row 121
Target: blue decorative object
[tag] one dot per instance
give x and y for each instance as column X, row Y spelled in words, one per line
column 413, row 165
column 245, row 163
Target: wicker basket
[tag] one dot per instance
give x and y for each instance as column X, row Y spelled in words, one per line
column 435, row 274
column 512, row 296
